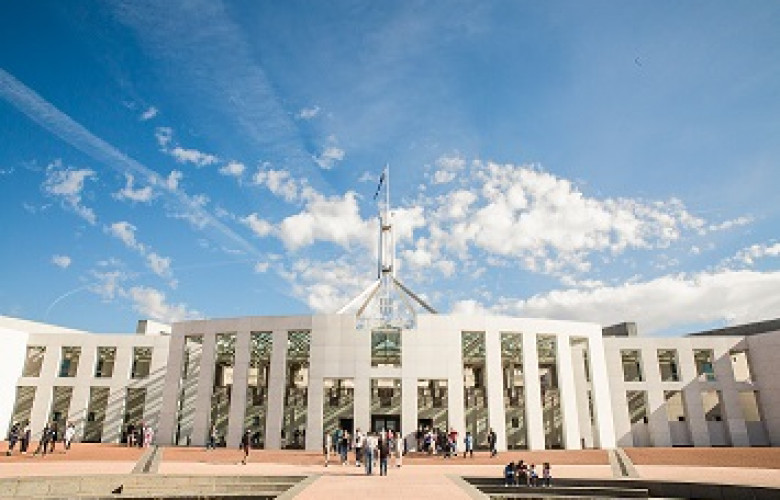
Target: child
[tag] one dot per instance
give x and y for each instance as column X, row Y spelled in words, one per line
column 546, row 474
column 533, row 476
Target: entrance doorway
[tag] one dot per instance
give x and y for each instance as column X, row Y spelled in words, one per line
column 381, row 423
column 347, row 424
column 424, row 423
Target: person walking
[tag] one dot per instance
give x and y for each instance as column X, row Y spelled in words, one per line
column 384, row 454
column 358, row 445
column 211, row 444
column 246, row 440
column 492, row 443
column 468, row 444
column 327, row 446
column 26, row 436
column 399, row 450
column 70, row 433
column 148, row 436
column 130, row 435
column 54, row 433
column 13, row 437
column 369, row 447
column 43, row 443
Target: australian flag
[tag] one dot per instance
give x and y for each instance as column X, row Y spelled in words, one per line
column 379, row 187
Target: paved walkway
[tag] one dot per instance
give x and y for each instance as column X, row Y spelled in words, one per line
column 420, row 477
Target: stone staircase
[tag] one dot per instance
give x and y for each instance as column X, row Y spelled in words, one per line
column 143, row 486
column 561, row 489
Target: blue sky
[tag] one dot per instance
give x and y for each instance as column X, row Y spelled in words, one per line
column 602, row 161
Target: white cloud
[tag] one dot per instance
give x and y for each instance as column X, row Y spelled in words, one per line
column 261, row 267
column 160, row 265
column 545, row 222
column 730, row 224
column 198, row 158
column 233, row 168
column 68, row 184
column 448, row 166
column 172, row 182
column 681, row 299
column 164, row 136
column 150, row 113
column 309, row 113
column 125, row 232
column 327, row 286
column 258, row 226
column 62, row 261
column 336, row 219
column 152, row 303
column 142, row 195
column 329, row 157
column 754, row 252
column 280, row 183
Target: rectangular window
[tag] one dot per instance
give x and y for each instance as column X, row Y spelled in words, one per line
column 104, row 367
column 69, row 363
column 637, row 406
column 60, row 406
column 34, row 361
column 260, row 344
column 223, row 384
column 748, row 400
column 514, row 389
column 25, row 395
column 547, row 351
column 704, row 359
column 296, row 389
column 96, row 414
column 432, row 403
column 188, row 388
column 474, row 392
column 632, row 365
column 142, row 362
column 711, row 401
column 675, row 409
column 386, row 347
column 135, row 399
column 667, row 364
column 740, row 364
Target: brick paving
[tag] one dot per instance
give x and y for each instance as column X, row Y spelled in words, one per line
column 764, row 458
column 420, row 476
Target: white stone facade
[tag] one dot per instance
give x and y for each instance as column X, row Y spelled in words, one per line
column 536, row 383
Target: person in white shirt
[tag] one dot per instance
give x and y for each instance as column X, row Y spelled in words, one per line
column 70, row 433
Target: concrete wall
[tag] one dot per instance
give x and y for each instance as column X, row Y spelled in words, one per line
column 14, row 349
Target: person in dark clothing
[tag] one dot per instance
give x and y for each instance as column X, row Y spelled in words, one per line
column 13, row 437
column 53, row 434
column 246, row 442
column 384, row 454
column 43, row 443
column 26, row 436
column 492, row 443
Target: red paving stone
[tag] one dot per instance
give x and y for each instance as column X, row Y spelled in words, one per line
column 230, row 455
column 763, row 458
column 79, row 452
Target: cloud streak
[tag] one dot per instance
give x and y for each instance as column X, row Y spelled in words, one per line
column 63, row 126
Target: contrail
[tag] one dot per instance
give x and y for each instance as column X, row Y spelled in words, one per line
column 63, row 126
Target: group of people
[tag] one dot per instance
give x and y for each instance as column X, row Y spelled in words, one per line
column 141, row 435
column 438, row 442
column 369, row 448
column 22, row 434
column 520, row 474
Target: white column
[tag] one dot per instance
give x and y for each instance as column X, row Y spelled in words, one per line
column 171, row 389
column 571, row 424
column 724, row 375
column 456, row 413
column 602, row 403
column 694, row 409
column 201, row 422
column 314, row 396
column 77, row 412
column 581, row 388
column 276, row 389
column 117, row 396
column 238, row 391
column 533, row 393
column 15, row 350
column 658, row 420
column 495, row 386
column 408, row 408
